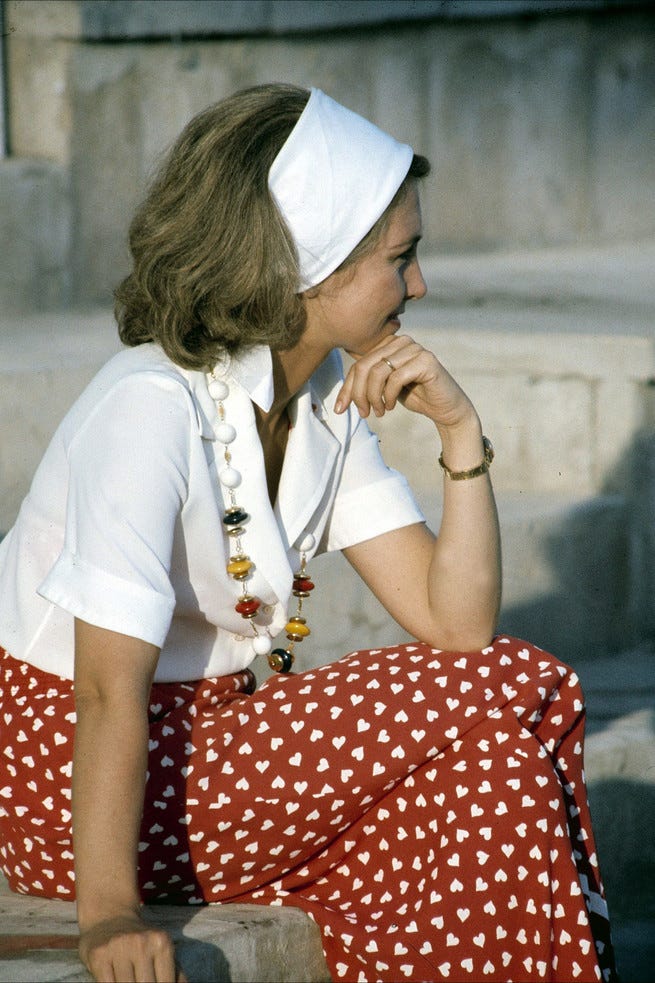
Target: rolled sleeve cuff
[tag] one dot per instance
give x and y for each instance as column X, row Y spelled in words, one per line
column 107, row 601
column 362, row 514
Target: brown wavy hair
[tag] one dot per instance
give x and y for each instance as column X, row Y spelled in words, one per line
column 214, row 266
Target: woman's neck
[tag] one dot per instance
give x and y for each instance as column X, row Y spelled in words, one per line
column 291, row 370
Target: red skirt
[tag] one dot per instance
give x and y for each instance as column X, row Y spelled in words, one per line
column 427, row 809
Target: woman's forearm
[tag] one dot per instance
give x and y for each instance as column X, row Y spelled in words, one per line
column 444, row 590
column 464, row 580
column 113, row 678
column 109, row 770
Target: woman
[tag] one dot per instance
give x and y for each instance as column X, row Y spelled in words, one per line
column 423, row 803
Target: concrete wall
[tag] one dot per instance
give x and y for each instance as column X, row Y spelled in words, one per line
column 35, row 234
column 540, row 128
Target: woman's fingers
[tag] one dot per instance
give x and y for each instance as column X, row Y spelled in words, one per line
column 376, row 380
column 128, row 950
column 398, row 369
column 371, row 390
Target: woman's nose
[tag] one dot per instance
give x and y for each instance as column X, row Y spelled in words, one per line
column 416, row 285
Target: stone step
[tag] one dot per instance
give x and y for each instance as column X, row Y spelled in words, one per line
column 215, row 943
column 562, row 407
column 620, row 688
column 569, row 289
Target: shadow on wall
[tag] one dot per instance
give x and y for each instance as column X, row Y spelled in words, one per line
column 628, row 868
column 627, row 862
column 584, row 548
column 600, row 553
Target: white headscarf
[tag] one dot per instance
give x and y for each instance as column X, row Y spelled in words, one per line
column 332, row 180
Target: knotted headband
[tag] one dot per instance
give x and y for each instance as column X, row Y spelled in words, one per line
column 332, row 180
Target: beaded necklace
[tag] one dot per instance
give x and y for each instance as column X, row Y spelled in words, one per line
column 240, row 566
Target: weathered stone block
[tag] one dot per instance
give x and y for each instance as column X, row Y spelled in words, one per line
column 40, row 37
column 623, row 131
column 35, row 230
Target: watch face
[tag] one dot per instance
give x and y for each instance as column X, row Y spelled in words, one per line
column 488, row 450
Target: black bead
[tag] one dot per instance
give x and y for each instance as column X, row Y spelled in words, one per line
column 235, row 518
column 280, row 660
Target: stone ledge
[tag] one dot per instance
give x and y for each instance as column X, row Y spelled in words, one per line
column 121, row 20
column 215, row 943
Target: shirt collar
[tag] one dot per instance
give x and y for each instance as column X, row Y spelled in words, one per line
column 252, row 369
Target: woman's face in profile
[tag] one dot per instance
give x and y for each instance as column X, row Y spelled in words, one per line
column 355, row 308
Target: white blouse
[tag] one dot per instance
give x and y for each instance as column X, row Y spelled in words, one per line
column 122, row 526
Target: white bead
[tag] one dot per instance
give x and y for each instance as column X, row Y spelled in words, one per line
column 218, row 389
column 261, row 644
column 225, row 433
column 306, row 543
column 230, row 477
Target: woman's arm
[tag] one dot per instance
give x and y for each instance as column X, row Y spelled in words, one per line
column 444, row 590
column 113, row 676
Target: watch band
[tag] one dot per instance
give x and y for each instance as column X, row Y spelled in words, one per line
column 473, row 472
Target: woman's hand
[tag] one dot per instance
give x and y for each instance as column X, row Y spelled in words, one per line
column 398, row 369
column 125, row 948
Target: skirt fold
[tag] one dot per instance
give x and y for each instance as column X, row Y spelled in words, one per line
column 427, row 809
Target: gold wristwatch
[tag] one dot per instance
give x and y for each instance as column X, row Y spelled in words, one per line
column 473, row 472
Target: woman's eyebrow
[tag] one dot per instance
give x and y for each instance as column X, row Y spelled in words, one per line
column 407, row 243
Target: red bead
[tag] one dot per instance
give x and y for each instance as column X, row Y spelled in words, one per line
column 247, row 607
column 303, row 584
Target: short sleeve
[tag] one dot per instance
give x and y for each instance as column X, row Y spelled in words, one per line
column 128, row 480
column 371, row 497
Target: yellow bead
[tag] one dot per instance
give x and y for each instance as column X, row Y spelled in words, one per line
column 297, row 628
column 239, row 567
